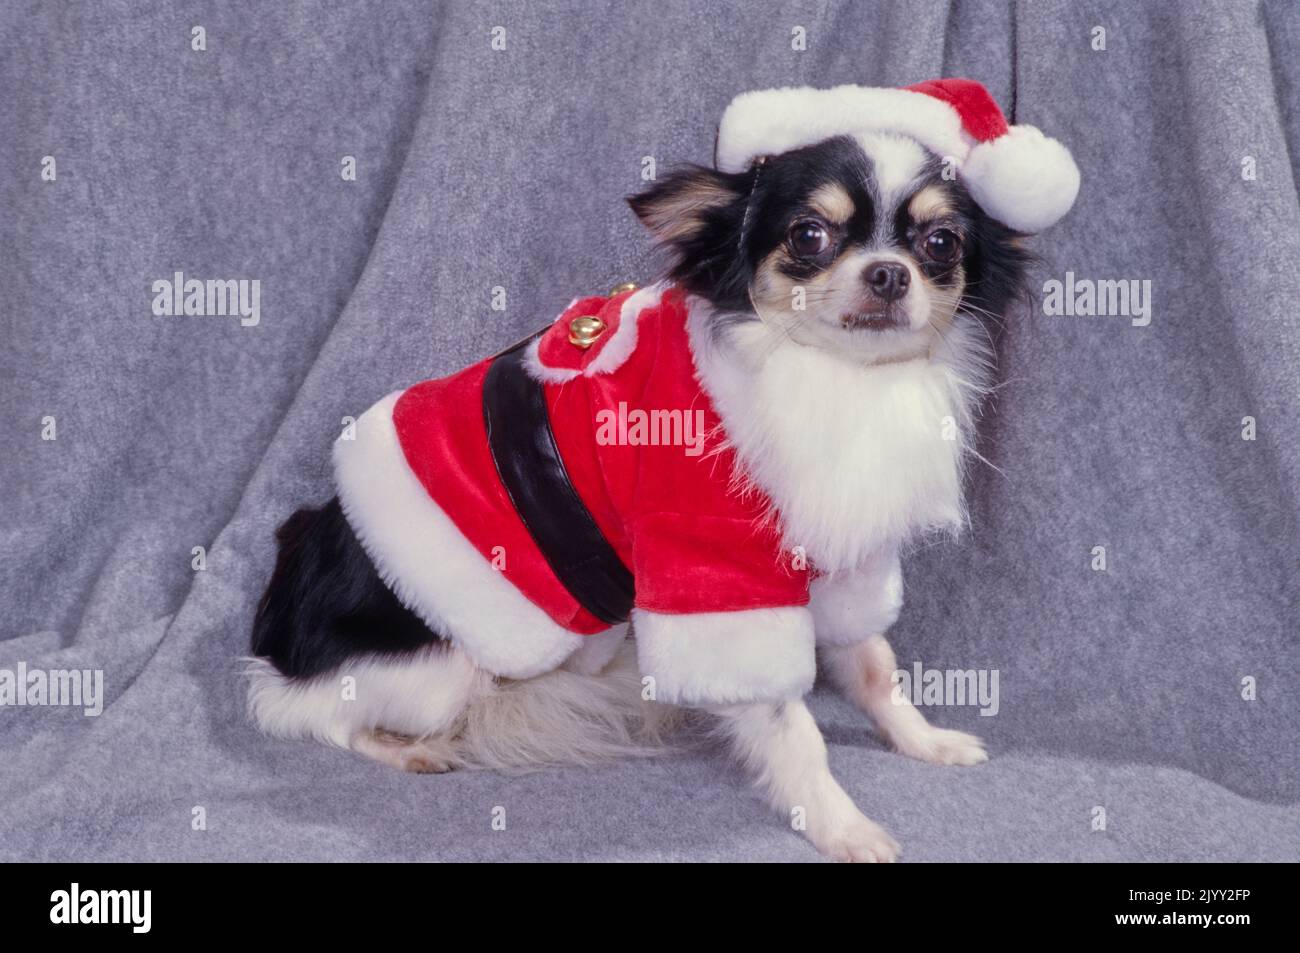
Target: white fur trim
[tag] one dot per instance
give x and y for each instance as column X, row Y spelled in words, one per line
column 851, row 606
column 1023, row 179
column 597, row 650
column 720, row 658
column 534, row 367
column 620, row 347
column 538, row 371
column 612, row 354
column 430, row 566
column 772, row 121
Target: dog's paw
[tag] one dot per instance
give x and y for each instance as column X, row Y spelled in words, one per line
column 942, row 746
column 859, row 841
column 416, row 755
column 418, row 762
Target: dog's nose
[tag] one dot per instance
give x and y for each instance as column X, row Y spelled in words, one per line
column 888, row 280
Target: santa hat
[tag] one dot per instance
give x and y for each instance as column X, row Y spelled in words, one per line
column 1017, row 175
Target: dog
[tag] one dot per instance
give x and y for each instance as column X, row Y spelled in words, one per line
column 827, row 311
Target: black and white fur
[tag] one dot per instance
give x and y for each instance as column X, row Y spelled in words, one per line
column 847, row 288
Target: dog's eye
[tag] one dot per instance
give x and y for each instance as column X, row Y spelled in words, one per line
column 808, row 238
column 943, row 245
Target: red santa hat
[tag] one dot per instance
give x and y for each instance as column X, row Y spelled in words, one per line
column 1017, row 175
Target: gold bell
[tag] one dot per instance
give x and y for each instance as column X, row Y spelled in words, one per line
column 625, row 286
column 584, row 330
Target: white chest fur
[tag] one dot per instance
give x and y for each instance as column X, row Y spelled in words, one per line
column 855, row 458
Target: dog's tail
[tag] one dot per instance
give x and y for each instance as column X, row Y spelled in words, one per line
column 437, row 697
column 563, row 718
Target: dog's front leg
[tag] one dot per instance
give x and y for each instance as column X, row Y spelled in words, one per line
column 781, row 744
column 736, row 665
column 851, row 611
column 864, row 672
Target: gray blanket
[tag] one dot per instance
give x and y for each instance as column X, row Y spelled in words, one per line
column 1146, row 711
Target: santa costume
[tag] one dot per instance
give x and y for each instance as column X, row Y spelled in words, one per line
column 500, row 505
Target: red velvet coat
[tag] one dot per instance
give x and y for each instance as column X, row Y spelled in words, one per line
column 644, row 448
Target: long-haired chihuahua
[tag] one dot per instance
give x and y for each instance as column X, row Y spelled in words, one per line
column 675, row 499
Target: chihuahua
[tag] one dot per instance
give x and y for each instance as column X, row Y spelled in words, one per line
column 544, row 583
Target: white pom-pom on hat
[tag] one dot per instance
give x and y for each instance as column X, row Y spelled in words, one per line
column 1018, row 176
column 1023, row 179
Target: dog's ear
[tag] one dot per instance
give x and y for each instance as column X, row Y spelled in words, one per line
column 688, row 202
column 698, row 214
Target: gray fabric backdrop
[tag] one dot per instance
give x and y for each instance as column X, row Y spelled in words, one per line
column 479, row 168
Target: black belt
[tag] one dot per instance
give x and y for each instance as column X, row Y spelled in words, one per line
column 528, row 461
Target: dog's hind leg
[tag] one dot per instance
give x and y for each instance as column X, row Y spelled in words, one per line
column 340, row 659
column 433, row 755
column 401, row 711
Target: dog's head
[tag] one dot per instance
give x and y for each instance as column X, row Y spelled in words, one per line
column 859, row 245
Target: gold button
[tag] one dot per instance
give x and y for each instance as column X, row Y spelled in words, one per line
column 625, row 286
column 584, row 330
